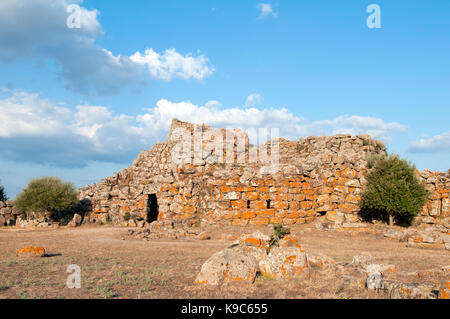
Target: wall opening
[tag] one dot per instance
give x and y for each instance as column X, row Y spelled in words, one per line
column 268, row 204
column 152, row 206
column 248, row 204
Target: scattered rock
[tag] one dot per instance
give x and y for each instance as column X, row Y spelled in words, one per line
column 285, row 262
column 374, row 277
column 203, row 236
column 363, row 260
column 228, row 265
column 76, row 220
column 444, row 293
column 321, row 261
column 399, row 290
column 31, row 252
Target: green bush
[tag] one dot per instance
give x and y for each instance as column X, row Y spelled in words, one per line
column 46, row 195
column 279, row 232
column 393, row 191
column 3, row 196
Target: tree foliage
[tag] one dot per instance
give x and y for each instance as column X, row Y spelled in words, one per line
column 393, row 189
column 46, row 195
column 3, row 196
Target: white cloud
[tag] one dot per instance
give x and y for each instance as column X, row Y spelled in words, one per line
column 33, row 129
column 254, row 99
column 355, row 125
column 435, row 144
column 37, row 30
column 171, row 64
column 266, row 10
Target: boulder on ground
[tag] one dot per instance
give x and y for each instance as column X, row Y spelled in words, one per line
column 285, row 262
column 76, row 220
column 444, row 293
column 374, row 276
column 363, row 260
column 321, row 261
column 228, row 265
column 399, row 290
column 203, row 236
column 31, row 252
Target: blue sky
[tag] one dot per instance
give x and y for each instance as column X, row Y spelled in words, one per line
column 81, row 103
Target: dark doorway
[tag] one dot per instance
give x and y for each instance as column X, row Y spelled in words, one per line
column 152, row 206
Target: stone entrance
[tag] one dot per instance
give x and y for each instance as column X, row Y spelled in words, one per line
column 152, row 208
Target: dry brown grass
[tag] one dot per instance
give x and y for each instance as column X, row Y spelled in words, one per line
column 113, row 267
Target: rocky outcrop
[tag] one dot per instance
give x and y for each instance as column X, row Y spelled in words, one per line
column 252, row 255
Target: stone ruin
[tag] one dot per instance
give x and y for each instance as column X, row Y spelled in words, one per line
column 7, row 214
column 314, row 176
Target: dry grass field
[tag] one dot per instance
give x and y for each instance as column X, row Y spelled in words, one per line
column 114, row 265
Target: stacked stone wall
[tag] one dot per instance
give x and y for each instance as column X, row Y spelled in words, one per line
column 314, row 176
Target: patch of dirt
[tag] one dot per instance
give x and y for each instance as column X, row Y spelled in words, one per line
column 115, row 265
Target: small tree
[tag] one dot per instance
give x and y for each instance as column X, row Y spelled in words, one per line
column 46, row 195
column 3, row 196
column 393, row 189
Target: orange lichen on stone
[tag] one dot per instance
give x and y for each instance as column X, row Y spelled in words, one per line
column 226, row 189
column 250, row 241
column 258, row 204
column 279, row 204
column 31, row 252
column 289, row 241
column 250, row 196
column 306, row 205
column 444, row 293
column 245, row 189
column 259, row 221
column 239, row 204
column 248, row 214
column 265, row 213
column 189, row 209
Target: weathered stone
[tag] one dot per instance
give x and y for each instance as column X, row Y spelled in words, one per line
column 203, row 236
column 321, row 261
column 398, row 290
column 31, row 252
column 374, row 277
column 363, row 260
column 76, row 220
column 287, row 262
column 228, row 265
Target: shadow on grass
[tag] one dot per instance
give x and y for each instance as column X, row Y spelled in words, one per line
column 51, row 255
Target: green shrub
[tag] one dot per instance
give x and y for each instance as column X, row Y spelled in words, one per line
column 393, row 191
column 46, row 195
column 3, row 196
column 279, row 232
